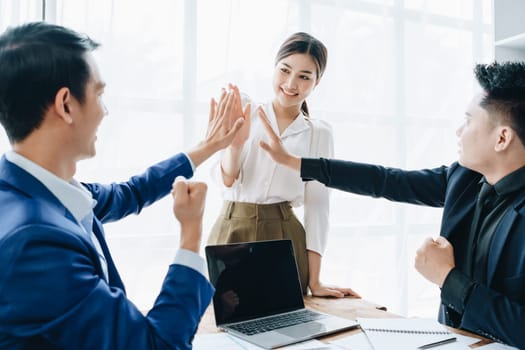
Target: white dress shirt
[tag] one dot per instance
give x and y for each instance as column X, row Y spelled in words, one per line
column 263, row 181
column 80, row 203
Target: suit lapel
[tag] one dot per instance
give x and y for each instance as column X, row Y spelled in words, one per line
column 459, row 209
column 21, row 180
column 500, row 237
column 113, row 275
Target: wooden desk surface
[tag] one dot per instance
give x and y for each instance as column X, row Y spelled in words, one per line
column 346, row 307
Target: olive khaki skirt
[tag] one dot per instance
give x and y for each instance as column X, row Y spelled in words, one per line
column 248, row 222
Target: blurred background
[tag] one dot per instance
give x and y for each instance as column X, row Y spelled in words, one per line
column 398, row 80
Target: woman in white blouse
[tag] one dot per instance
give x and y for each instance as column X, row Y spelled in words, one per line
column 259, row 194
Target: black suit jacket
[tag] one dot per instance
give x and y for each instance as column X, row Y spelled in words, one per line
column 495, row 310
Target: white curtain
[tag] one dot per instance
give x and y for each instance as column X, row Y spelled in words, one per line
column 398, row 80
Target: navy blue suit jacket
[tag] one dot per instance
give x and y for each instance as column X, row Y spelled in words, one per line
column 52, row 291
column 495, row 310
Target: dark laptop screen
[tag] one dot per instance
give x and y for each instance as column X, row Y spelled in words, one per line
column 253, row 280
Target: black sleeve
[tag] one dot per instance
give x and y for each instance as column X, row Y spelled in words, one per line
column 455, row 290
column 424, row 187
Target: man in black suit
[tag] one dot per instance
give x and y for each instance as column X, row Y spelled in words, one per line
column 478, row 261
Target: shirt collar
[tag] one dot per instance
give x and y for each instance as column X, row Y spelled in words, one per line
column 71, row 194
column 510, row 183
column 298, row 125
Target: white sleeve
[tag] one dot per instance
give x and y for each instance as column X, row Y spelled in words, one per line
column 317, row 195
column 216, row 173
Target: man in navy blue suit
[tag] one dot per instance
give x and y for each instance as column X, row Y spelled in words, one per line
column 59, row 287
column 478, row 261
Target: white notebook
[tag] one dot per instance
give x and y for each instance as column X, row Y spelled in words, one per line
column 404, row 333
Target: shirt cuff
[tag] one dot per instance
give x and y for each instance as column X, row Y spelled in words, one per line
column 190, row 259
column 190, row 161
column 456, row 290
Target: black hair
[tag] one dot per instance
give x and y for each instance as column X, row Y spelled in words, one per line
column 36, row 61
column 306, row 44
column 504, row 87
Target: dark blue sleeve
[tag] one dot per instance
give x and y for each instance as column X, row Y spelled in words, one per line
column 118, row 200
column 61, row 302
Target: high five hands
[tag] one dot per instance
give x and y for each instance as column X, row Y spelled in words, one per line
column 227, row 118
column 274, row 147
column 237, row 110
column 225, row 125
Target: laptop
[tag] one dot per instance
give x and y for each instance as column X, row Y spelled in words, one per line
column 258, row 296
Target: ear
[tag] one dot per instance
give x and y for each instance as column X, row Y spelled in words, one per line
column 505, row 137
column 62, row 104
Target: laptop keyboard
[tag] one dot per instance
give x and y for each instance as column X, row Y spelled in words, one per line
column 276, row 322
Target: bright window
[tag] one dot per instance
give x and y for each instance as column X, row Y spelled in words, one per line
column 398, row 80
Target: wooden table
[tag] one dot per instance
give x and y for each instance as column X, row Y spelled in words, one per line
column 346, row 307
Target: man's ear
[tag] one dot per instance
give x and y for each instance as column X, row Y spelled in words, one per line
column 62, row 104
column 505, row 137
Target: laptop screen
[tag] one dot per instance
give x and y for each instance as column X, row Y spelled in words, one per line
column 253, row 280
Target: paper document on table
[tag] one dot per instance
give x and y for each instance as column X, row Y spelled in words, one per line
column 224, row 341
column 467, row 340
column 220, row 341
column 357, row 341
column 408, row 333
column 310, row 345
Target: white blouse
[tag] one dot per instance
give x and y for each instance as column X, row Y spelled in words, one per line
column 263, row 181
